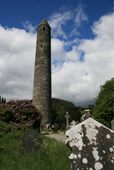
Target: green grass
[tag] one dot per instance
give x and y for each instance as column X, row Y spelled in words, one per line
column 53, row 155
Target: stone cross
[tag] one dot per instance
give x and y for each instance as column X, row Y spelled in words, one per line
column 87, row 113
column 112, row 124
column 67, row 119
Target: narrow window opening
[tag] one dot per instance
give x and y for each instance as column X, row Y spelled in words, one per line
column 41, row 45
column 43, row 28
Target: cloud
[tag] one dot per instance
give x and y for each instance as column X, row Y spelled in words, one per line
column 56, row 21
column 17, row 54
column 61, row 19
column 79, row 81
column 60, row 55
column 28, row 26
column 80, row 16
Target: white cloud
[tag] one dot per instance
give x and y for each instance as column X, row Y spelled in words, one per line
column 80, row 16
column 17, row 54
column 28, row 26
column 56, row 21
column 70, row 82
column 59, row 19
column 57, row 48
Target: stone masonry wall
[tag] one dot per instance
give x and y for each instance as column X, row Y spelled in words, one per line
column 42, row 72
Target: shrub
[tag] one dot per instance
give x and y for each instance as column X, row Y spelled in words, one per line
column 20, row 114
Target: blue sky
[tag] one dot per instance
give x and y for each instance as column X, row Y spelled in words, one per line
column 82, row 47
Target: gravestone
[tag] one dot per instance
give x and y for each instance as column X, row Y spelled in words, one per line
column 52, row 126
column 112, row 124
column 55, row 127
column 92, row 146
column 77, row 122
column 47, row 127
column 63, row 126
column 67, row 119
column 30, row 142
column 72, row 124
column 86, row 115
column 50, row 129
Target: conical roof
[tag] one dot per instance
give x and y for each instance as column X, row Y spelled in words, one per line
column 44, row 22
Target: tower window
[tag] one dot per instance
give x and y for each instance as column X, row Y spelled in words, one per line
column 43, row 28
column 41, row 45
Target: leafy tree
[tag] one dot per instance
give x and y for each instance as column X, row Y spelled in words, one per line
column 2, row 100
column 75, row 114
column 79, row 115
column 61, row 113
column 103, row 111
column 63, row 106
column 54, row 113
column 91, row 108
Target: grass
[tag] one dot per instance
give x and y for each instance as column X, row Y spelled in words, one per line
column 53, row 155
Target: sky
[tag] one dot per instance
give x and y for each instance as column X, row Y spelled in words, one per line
column 82, row 47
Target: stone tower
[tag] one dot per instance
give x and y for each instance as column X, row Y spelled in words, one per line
column 42, row 72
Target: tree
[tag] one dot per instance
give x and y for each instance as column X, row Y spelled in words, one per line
column 103, row 111
column 54, row 113
column 91, row 108
column 61, row 113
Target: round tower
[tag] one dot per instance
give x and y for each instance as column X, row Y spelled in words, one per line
column 42, row 72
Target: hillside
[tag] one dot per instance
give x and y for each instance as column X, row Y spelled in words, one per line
column 63, row 106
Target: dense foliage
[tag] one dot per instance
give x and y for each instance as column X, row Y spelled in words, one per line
column 59, row 109
column 91, row 108
column 19, row 114
column 54, row 114
column 2, row 100
column 103, row 111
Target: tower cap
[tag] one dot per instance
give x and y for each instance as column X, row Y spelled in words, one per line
column 44, row 22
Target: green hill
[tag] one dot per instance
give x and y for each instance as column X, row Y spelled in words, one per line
column 60, row 107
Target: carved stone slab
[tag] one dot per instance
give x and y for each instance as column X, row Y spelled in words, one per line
column 30, row 142
column 92, row 146
column 55, row 127
column 63, row 126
